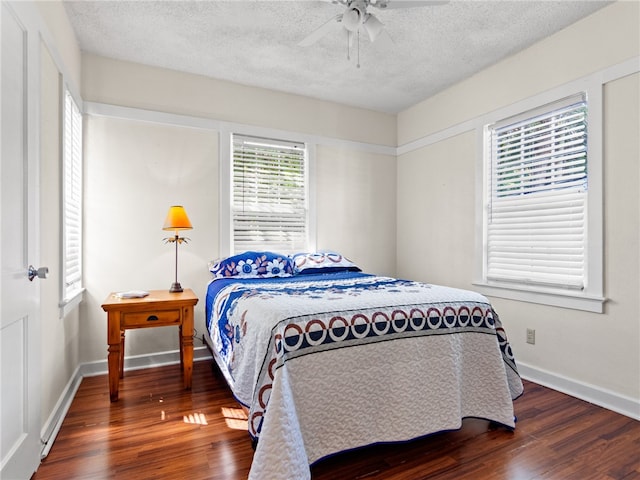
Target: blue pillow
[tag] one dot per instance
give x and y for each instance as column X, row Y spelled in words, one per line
column 253, row 265
column 322, row 262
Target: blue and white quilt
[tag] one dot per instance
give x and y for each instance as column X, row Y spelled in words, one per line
column 331, row 362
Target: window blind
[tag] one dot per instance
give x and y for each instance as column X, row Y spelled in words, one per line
column 270, row 208
column 537, row 208
column 72, row 200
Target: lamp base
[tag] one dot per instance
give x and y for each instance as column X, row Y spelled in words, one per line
column 175, row 287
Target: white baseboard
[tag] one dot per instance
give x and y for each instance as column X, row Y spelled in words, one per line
column 54, row 422
column 590, row 393
column 138, row 362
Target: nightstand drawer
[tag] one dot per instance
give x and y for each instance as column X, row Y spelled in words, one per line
column 151, row 318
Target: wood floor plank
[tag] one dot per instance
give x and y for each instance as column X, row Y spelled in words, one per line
column 158, row 430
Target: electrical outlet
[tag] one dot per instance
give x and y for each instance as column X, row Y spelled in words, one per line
column 531, row 336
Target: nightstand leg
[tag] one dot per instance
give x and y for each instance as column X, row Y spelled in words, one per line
column 116, row 352
column 187, row 349
column 181, row 348
column 113, row 360
column 121, row 353
column 186, row 345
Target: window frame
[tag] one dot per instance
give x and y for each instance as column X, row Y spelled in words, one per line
column 71, row 184
column 591, row 297
column 226, row 246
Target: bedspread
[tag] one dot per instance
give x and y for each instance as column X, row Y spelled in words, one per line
column 327, row 363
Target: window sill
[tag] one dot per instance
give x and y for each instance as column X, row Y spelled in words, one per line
column 555, row 298
column 69, row 304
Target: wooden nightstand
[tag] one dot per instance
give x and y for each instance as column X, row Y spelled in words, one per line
column 159, row 309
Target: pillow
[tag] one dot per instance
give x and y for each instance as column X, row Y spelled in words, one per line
column 253, row 265
column 322, row 262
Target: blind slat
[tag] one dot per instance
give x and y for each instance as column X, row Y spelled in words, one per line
column 72, row 199
column 537, row 198
column 269, row 194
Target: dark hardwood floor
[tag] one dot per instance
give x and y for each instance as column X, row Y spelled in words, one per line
column 157, row 430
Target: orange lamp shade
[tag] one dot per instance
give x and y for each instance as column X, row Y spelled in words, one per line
column 177, row 219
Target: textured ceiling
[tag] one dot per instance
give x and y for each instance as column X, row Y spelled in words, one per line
column 256, row 43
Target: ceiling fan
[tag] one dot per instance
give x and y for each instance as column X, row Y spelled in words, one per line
column 355, row 18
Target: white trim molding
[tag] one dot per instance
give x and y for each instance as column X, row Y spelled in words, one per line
column 613, row 401
column 52, row 426
column 140, row 362
column 609, row 74
column 156, row 116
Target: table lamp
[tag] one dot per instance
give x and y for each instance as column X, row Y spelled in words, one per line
column 176, row 220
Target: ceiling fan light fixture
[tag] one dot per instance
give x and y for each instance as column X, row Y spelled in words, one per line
column 352, row 18
column 373, row 26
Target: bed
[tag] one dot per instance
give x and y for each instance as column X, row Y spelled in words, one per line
column 326, row 358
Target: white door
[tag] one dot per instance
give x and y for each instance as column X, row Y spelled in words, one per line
column 19, row 308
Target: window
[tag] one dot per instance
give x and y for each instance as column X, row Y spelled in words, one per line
column 270, row 195
column 536, row 222
column 71, row 202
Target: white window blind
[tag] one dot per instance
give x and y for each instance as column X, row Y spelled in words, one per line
column 72, row 201
column 270, row 204
column 536, row 223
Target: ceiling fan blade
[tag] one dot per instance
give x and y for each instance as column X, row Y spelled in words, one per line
column 320, row 32
column 392, row 4
column 373, row 27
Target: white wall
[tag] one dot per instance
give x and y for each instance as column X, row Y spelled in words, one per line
column 356, row 203
column 136, row 169
column 59, row 66
column 133, row 85
column 575, row 350
column 436, row 219
column 60, row 334
column 61, row 41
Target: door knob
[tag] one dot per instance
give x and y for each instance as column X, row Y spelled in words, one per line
column 41, row 272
